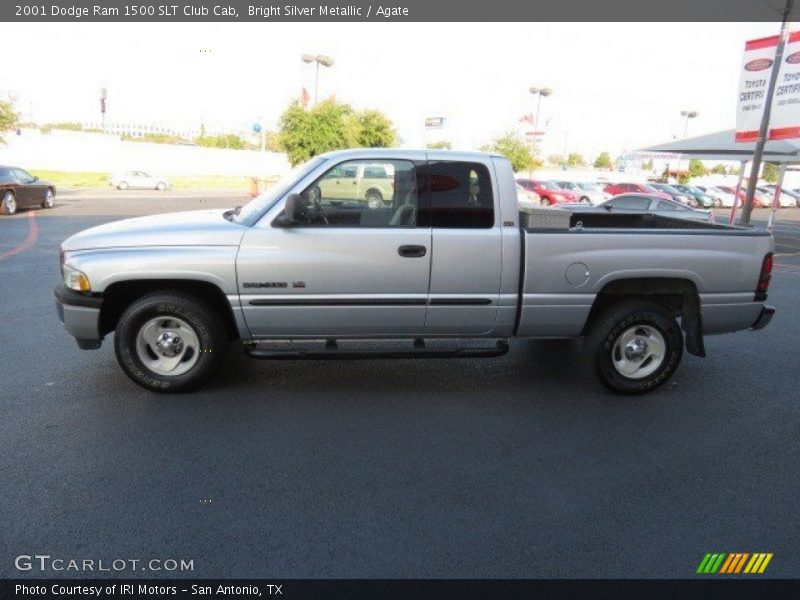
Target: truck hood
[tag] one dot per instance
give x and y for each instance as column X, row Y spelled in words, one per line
column 192, row 228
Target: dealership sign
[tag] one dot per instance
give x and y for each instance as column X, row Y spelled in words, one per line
column 434, row 122
column 759, row 57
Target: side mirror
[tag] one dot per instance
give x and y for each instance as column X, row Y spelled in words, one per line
column 292, row 211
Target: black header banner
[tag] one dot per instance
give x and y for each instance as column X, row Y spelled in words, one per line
column 395, row 10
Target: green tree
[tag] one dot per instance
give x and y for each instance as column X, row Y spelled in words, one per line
column 648, row 166
column 719, row 169
column 9, row 119
column 696, row 168
column 556, row 159
column 440, row 145
column 328, row 126
column 575, row 160
column 603, row 161
column 770, row 172
column 374, row 130
column 514, row 149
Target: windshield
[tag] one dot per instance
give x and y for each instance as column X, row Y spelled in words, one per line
column 250, row 212
column 548, row 185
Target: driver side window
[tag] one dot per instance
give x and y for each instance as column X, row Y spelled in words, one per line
column 363, row 193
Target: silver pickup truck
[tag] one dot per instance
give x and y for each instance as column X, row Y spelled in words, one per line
column 446, row 267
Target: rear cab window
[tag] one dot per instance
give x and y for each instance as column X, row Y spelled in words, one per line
column 460, row 196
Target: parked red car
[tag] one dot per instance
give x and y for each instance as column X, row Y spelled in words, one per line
column 636, row 188
column 548, row 191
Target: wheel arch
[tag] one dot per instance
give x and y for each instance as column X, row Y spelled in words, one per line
column 677, row 295
column 118, row 296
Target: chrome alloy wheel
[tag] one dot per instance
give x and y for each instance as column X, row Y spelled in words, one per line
column 639, row 351
column 167, row 346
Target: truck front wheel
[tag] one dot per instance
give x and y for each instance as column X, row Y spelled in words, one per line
column 169, row 342
column 636, row 346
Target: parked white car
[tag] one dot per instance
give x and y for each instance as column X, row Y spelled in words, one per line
column 139, row 180
column 527, row 197
column 784, row 200
column 586, row 192
column 721, row 197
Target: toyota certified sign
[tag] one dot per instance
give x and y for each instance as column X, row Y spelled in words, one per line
column 757, row 64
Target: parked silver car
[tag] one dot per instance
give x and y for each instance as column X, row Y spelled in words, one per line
column 139, row 180
column 644, row 203
column 589, row 193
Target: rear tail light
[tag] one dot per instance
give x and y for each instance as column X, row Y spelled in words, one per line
column 764, row 278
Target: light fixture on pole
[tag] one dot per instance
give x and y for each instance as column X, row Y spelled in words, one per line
column 319, row 59
column 539, row 92
column 688, row 114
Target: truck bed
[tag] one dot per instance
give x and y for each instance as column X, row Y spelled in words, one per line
column 565, row 268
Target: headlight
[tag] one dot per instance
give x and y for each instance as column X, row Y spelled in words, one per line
column 75, row 280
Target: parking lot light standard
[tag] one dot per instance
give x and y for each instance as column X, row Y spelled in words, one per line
column 319, row 59
column 539, row 92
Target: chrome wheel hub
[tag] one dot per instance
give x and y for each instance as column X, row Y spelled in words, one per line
column 168, row 346
column 639, row 351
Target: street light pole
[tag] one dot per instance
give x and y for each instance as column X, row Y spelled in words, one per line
column 538, row 92
column 688, row 114
column 319, row 59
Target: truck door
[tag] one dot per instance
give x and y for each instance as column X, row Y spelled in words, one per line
column 467, row 256
column 346, row 270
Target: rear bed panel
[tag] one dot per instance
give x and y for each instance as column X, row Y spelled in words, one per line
column 565, row 270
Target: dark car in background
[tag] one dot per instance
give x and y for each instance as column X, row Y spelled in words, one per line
column 646, row 203
column 703, row 200
column 20, row 189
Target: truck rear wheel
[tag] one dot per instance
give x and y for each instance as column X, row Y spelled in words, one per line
column 169, row 342
column 635, row 346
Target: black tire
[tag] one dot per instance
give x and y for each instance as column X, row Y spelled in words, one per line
column 161, row 186
column 8, row 205
column 374, row 199
column 207, row 326
column 49, row 200
column 122, row 185
column 620, row 319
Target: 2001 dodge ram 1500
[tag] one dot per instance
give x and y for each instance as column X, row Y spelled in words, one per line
column 297, row 274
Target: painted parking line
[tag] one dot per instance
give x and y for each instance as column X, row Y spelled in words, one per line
column 28, row 242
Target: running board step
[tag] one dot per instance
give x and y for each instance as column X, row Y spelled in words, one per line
column 333, row 352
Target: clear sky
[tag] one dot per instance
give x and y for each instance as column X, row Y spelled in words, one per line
column 616, row 86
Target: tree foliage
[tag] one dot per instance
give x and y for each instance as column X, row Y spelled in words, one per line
column 514, row 149
column 696, row 168
column 719, row 169
column 603, row 161
column 226, row 140
column 575, row 160
column 9, row 119
column 331, row 125
column 440, row 145
column 770, row 172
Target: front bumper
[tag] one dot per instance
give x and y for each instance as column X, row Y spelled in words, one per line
column 764, row 318
column 80, row 316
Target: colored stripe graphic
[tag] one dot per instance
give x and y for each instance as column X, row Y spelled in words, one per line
column 711, row 562
column 733, row 563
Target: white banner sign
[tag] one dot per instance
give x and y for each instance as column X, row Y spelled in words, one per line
column 759, row 56
column 784, row 120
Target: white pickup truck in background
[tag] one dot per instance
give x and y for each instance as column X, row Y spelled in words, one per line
column 445, row 255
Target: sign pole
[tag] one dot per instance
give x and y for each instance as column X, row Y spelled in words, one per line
column 763, row 130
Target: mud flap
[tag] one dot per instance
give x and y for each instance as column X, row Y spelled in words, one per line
column 692, row 324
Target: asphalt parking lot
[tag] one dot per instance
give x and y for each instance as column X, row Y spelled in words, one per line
column 520, row 466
